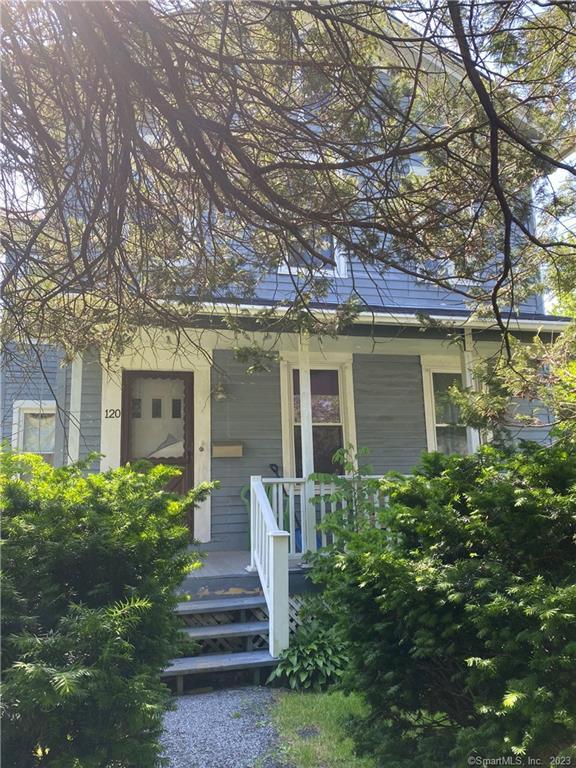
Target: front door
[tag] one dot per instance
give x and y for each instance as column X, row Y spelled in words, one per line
column 157, row 421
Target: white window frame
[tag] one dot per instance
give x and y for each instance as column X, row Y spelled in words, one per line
column 430, row 366
column 340, row 270
column 21, row 407
column 332, row 362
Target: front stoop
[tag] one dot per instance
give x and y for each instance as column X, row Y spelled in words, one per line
column 232, row 632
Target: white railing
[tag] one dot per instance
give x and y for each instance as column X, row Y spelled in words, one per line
column 300, row 506
column 269, row 556
column 290, row 501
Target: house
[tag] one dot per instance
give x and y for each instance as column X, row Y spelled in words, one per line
column 188, row 400
column 380, row 385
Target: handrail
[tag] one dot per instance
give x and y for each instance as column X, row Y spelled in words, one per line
column 269, row 556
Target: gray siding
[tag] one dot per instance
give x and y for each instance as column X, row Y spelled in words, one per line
column 251, row 414
column 36, row 374
column 63, row 379
column 378, row 287
column 91, row 405
column 26, row 375
column 389, row 404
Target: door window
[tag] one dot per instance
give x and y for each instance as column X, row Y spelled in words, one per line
column 156, row 418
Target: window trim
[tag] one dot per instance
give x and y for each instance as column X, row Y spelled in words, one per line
column 21, row 407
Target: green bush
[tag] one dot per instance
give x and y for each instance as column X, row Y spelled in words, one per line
column 90, row 565
column 459, row 612
column 315, row 659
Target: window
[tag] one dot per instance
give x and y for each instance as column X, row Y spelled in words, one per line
column 450, row 434
column 34, row 427
column 300, row 261
column 156, row 428
column 327, row 424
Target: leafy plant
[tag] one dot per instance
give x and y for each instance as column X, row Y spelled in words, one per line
column 353, row 502
column 459, row 611
column 90, row 568
column 315, row 659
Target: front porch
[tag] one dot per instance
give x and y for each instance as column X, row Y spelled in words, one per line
column 210, row 417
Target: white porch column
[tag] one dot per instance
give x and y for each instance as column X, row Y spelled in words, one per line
column 467, row 360
column 309, row 527
column 75, row 410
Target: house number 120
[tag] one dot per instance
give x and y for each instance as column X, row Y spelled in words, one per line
column 112, row 413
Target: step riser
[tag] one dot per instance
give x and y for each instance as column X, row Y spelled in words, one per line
column 212, row 587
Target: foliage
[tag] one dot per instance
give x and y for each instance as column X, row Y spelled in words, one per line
column 316, row 657
column 459, row 612
column 194, row 146
column 351, row 498
column 534, row 387
column 313, row 729
column 90, row 565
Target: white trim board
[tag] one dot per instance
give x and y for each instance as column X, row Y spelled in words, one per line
column 75, row 409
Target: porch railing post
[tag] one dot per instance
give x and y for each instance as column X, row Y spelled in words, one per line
column 253, row 480
column 279, row 623
column 310, row 507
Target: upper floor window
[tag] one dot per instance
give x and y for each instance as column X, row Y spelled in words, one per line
column 299, row 261
column 34, row 427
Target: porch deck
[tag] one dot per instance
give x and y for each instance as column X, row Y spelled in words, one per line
column 225, row 574
column 234, row 562
column 222, row 563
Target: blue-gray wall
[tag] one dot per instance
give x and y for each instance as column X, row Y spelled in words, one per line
column 532, row 409
column 388, row 399
column 37, row 374
column 389, row 405
column 250, row 414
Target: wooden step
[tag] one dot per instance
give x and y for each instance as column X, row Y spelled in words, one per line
column 227, row 630
column 218, row 662
column 220, row 605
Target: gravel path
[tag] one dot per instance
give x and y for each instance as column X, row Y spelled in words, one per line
column 222, row 729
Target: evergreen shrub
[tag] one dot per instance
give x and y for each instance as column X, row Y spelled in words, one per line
column 90, row 565
column 459, row 608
